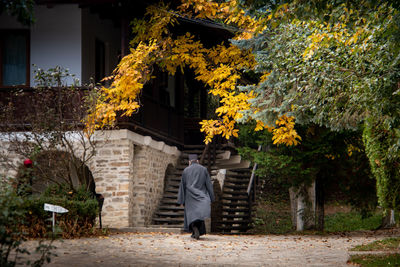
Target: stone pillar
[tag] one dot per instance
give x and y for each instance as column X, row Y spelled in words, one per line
column 112, row 169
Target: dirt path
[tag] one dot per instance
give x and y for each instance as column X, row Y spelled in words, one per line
column 160, row 249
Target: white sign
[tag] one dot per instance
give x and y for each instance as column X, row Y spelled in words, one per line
column 54, row 208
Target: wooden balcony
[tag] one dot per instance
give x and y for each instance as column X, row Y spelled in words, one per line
column 19, row 107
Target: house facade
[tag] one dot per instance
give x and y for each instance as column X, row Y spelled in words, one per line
column 66, row 35
column 89, row 38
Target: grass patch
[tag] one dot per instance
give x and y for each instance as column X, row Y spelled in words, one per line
column 376, row 260
column 272, row 218
column 352, row 221
column 385, row 244
column 273, row 223
column 275, row 218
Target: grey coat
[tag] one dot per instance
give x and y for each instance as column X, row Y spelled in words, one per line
column 196, row 193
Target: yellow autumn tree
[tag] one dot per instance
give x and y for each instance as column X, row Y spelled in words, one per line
column 219, row 67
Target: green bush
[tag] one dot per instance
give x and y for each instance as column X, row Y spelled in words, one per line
column 78, row 221
column 12, row 216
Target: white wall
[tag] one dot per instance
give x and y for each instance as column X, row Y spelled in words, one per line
column 55, row 37
column 106, row 31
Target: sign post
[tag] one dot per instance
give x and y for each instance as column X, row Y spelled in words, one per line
column 54, row 209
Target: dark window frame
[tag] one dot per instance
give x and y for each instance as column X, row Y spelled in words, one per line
column 99, row 60
column 27, row 34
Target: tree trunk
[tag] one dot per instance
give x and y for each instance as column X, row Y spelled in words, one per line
column 388, row 221
column 293, row 206
column 320, row 201
column 300, row 213
column 310, row 207
column 302, row 206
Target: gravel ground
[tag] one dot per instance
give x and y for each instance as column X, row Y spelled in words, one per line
column 169, row 249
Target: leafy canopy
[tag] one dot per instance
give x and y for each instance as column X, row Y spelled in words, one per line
column 219, row 67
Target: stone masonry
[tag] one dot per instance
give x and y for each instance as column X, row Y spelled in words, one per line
column 150, row 167
column 129, row 171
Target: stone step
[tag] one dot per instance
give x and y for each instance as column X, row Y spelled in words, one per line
column 228, row 229
column 185, row 162
column 235, row 193
column 167, row 226
column 232, row 181
column 235, row 209
column 170, row 196
column 181, row 167
column 163, row 228
column 230, row 204
column 235, row 186
column 241, row 170
column 174, row 177
column 170, row 214
column 242, row 222
column 229, row 216
column 173, row 184
column 171, row 208
column 235, row 198
column 173, row 189
column 238, row 175
column 239, row 178
column 243, row 164
column 168, row 220
column 169, row 201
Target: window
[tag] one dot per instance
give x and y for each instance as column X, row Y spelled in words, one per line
column 14, row 58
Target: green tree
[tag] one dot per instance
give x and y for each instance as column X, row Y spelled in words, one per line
column 335, row 65
column 330, row 159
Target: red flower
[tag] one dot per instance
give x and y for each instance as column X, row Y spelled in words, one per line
column 28, row 163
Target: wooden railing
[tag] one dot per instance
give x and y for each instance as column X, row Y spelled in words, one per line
column 211, row 151
column 251, row 188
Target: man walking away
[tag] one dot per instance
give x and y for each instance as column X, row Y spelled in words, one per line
column 196, row 194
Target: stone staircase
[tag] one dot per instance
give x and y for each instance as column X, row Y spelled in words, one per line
column 169, row 213
column 236, row 208
column 234, row 201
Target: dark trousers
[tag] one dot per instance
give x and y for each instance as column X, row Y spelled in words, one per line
column 200, row 225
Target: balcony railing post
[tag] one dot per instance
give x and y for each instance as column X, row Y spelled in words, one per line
column 252, row 185
column 209, row 160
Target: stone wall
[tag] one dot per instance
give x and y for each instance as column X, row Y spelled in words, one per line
column 150, row 166
column 128, row 170
column 112, row 169
column 9, row 161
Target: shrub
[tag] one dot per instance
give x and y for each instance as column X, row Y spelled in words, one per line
column 12, row 215
column 78, row 221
